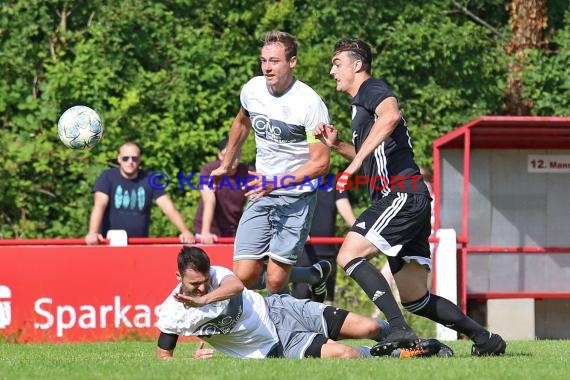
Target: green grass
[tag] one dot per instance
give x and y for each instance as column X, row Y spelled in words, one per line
column 135, row 360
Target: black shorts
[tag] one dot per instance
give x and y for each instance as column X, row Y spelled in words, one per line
column 399, row 225
column 334, row 318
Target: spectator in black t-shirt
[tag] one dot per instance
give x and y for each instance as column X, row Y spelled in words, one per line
column 329, row 202
column 123, row 199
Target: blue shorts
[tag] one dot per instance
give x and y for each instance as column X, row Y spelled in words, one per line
column 275, row 226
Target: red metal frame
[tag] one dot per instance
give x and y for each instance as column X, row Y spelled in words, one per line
column 536, row 296
column 466, row 179
column 496, row 132
column 529, row 250
column 146, row 241
column 511, row 132
column 515, row 250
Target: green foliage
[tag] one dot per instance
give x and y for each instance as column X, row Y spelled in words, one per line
column 547, row 76
column 167, row 75
column 441, row 82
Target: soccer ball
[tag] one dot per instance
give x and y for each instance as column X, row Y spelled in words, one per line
column 80, row 128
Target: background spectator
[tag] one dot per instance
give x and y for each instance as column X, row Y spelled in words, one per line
column 123, row 198
column 219, row 211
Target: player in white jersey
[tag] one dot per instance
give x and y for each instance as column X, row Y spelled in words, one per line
column 211, row 303
column 282, row 112
column 283, row 127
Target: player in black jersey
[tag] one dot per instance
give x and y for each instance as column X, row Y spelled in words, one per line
column 397, row 223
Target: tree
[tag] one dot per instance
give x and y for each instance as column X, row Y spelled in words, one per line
column 528, row 21
column 167, row 75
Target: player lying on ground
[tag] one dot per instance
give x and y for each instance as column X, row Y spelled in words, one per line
column 211, row 303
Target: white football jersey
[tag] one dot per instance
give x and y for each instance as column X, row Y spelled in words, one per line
column 239, row 326
column 283, row 126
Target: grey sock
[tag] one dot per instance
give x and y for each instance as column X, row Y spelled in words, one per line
column 308, row 275
column 364, row 351
column 384, row 329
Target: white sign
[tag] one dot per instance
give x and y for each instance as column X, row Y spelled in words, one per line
column 5, row 308
column 545, row 163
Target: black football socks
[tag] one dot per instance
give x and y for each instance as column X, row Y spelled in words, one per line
column 448, row 314
column 377, row 289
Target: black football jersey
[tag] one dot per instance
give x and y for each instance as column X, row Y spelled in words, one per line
column 391, row 167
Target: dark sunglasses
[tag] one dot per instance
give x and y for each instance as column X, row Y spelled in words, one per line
column 134, row 158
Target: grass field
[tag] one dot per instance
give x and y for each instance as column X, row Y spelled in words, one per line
column 135, row 360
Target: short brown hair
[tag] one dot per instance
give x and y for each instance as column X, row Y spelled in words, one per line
column 193, row 258
column 358, row 50
column 288, row 40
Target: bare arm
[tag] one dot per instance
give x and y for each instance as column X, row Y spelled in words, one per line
column 167, row 207
column 238, row 134
column 209, row 200
column 328, row 134
column 99, row 206
column 318, row 164
column 345, row 210
column 200, row 353
column 229, row 287
column 163, row 353
column 345, row 149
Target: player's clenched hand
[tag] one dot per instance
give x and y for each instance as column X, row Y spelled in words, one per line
column 190, row 301
column 327, row 133
column 187, row 237
column 93, row 238
column 203, row 353
column 208, row 238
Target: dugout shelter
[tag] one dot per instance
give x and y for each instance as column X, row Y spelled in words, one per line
column 503, row 184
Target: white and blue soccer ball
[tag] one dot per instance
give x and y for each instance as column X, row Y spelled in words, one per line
column 80, row 127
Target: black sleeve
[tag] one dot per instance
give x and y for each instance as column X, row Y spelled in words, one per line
column 340, row 194
column 375, row 93
column 167, row 341
column 103, row 183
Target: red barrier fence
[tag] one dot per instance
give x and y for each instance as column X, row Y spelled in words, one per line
column 60, row 290
column 145, row 241
column 79, row 293
column 483, row 296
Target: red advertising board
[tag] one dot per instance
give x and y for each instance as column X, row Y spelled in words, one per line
column 80, row 293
